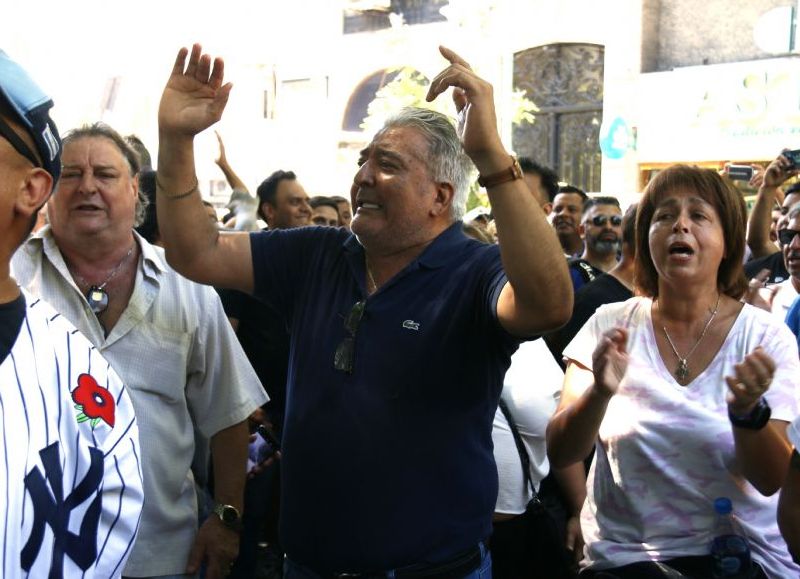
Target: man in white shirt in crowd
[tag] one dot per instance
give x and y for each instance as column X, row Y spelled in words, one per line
column 167, row 337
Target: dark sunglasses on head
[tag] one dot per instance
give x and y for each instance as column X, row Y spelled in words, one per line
column 345, row 352
column 601, row 220
column 19, row 145
column 785, row 236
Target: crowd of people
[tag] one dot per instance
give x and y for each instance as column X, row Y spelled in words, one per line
column 552, row 386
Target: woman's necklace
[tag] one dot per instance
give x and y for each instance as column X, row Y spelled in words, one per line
column 682, row 371
column 96, row 295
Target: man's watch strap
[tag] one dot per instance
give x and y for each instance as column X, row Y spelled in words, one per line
column 511, row 173
column 756, row 419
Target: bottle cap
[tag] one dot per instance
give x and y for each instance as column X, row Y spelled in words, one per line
column 723, row 505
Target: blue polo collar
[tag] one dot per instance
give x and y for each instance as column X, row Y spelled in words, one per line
column 434, row 256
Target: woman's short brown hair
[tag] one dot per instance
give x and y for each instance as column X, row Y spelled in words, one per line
column 730, row 207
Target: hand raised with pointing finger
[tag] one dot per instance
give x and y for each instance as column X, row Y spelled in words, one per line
column 474, row 100
column 194, row 97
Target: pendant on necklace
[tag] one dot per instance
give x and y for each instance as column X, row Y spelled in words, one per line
column 682, row 371
column 98, row 299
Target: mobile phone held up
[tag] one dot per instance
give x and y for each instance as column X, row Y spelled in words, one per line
column 740, row 172
column 264, row 446
column 793, row 156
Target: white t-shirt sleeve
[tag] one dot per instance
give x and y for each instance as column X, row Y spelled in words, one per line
column 619, row 314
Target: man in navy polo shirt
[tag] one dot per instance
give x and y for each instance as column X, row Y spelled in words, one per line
column 401, row 332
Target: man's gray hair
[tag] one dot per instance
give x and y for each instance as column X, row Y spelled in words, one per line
column 447, row 162
column 100, row 129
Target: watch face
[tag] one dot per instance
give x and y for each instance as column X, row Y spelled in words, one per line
column 229, row 515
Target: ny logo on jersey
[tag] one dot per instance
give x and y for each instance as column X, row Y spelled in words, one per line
column 51, row 508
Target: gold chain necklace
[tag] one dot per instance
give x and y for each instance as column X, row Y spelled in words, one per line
column 682, row 371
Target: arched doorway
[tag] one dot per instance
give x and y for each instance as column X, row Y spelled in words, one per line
column 365, row 92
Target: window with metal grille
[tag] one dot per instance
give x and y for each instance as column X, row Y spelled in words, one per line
column 565, row 81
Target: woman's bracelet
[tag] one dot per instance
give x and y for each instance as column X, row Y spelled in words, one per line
column 174, row 196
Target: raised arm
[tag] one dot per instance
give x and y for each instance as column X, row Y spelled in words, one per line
column 538, row 295
column 230, row 175
column 763, row 454
column 572, row 431
column 193, row 100
column 760, row 219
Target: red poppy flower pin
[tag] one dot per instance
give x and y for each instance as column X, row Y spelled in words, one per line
column 93, row 402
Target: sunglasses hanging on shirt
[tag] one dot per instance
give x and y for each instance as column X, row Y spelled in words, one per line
column 344, row 357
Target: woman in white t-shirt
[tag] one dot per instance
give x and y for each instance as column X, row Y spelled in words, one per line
column 676, row 387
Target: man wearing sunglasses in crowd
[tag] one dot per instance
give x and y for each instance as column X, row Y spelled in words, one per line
column 773, row 284
column 401, row 331
column 778, row 297
column 601, row 231
column 759, row 223
column 790, row 241
column 613, row 286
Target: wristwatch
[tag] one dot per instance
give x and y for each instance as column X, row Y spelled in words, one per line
column 512, row 173
column 229, row 516
column 756, row 419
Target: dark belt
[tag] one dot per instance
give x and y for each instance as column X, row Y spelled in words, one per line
column 456, row 568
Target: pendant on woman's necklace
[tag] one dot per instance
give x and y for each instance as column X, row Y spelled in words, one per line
column 682, row 371
column 98, row 299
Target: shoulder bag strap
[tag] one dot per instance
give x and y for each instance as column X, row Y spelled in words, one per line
column 584, row 269
column 523, row 452
column 587, row 270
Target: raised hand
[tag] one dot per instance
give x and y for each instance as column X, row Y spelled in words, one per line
column 778, row 171
column 194, row 97
column 758, row 293
column 758, row 176
column 474, row 100
column 753, row 377
column 221, row 158
column 610, row 361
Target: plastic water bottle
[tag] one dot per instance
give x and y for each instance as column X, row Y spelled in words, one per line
column 729, row 547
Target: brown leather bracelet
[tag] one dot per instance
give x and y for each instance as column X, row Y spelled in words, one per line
column 511, row 173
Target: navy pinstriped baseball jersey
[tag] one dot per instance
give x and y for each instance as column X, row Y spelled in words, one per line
column 70, row 478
